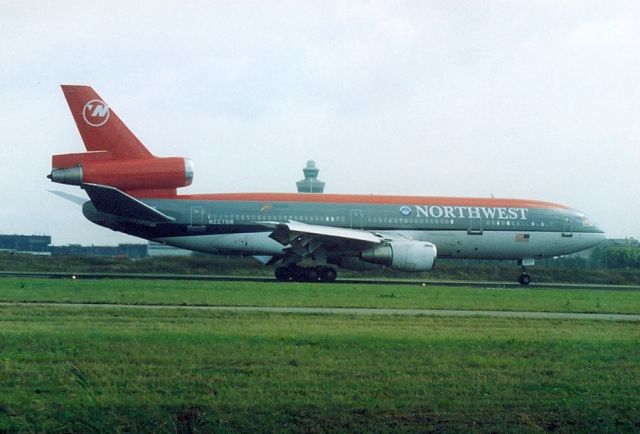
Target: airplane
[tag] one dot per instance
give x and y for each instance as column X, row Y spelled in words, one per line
column 133, row 191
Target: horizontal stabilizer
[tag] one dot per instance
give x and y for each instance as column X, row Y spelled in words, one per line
column 71, row 197
column 113, row 201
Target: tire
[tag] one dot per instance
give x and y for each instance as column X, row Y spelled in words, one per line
column 298, row 274
column 327, row 274
column 311, row 274
column 282, row 274
column 524, row 279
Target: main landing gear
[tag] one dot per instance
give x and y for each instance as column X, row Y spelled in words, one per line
column 306, row 274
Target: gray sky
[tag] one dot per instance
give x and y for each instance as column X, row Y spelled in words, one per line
column 519, row 99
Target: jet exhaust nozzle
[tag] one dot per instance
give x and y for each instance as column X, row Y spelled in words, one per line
column 71, row 175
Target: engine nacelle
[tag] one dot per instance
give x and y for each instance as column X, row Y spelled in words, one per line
column 403, row 255
column 127, row 175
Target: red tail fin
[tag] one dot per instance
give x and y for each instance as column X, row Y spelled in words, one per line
column 101, row 129
column 115, row 156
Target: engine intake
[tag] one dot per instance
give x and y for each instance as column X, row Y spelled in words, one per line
column 403, row 255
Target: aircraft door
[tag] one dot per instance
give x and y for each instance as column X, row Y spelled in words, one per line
column 566, row 228
column 356, row 219
column 475, row 226
column 197, row 216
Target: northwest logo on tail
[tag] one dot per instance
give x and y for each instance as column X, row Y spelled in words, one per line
column 95, row 113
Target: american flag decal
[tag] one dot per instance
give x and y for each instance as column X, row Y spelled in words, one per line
column 522, row 238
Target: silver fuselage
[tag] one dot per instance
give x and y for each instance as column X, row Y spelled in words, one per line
column 474, row 228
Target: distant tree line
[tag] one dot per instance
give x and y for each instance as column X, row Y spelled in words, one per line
column 609, row 256
column 616, row 256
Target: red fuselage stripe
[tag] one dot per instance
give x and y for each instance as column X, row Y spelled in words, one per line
column 368, row 199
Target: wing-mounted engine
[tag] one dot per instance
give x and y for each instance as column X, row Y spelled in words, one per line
column 403, row 255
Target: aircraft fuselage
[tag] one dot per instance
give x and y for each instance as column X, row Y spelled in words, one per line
column 460, row 227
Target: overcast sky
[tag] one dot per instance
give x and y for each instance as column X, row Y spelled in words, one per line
column 536, row 100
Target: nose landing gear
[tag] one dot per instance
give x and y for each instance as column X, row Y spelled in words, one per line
column 525, row 278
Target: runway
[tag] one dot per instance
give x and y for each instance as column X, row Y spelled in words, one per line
column 340, row 281
column 352, row 311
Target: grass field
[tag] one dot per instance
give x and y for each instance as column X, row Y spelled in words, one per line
column 167, row 370
column 136, row 291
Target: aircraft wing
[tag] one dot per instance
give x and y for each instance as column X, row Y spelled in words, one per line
column 286, row 231
column 305, row 240
column 113, row 201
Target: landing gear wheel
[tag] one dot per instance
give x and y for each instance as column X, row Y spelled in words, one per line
column 524, row 279
column 298, row 274
column 302, row 274
column 311, row 274
column 282, row 274
column 327, row 274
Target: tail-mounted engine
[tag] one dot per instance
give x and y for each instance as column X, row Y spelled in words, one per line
column 126, row 175
column 403, row 255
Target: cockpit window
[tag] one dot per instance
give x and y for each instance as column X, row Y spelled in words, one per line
column 583, row 219
column 587, row 222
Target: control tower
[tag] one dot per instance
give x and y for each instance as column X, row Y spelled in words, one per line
column 310, row 183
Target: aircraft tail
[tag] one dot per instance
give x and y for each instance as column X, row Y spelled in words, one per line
column 100, row 127
column 115, row 157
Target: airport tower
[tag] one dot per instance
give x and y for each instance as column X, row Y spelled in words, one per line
column 310, row 183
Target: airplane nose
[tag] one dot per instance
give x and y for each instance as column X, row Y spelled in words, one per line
column 597, row 236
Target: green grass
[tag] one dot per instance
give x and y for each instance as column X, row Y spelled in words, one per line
column 137, row 291
column 169, row 370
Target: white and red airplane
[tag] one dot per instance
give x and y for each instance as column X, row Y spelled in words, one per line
column 135, row 192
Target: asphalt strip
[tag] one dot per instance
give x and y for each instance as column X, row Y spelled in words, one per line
column 353, row 311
